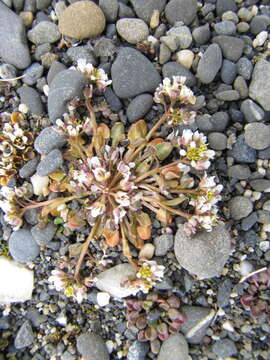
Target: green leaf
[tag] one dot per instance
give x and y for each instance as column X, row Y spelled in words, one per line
column 163, row 150
column 58, row 221
column 117, row 133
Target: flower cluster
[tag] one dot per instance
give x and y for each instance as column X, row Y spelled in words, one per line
column 15, row 145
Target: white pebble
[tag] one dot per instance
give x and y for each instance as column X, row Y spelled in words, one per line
column 228, row 326
column 103, row 298
column 245, row 268
column 260, row 39
column 147, row 251
column 185, row 58
column 40, row 184
column 264, row 245
column 23, row 108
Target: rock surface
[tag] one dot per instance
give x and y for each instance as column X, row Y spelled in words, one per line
column 259, row 89
column 209, row 64
column 44, row 32
column 181, row 10
column 174, row 348
column 144, row 9
column 50, row 163
column 206, row 253
column 92, row 347
column 25, row 336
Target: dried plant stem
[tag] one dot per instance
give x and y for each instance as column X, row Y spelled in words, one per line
column 156, row 126
column 168, row 208
column 49, row 202
column 85, row 248
column 92, row 116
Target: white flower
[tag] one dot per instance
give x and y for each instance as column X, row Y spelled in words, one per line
column 101, row 174
column 97, row 209
column 122, row 198
column 118, row 214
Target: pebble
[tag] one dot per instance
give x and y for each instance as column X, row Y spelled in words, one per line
column 172, row 68
column 261, row 185
column 170, row 41
column 181, row 10
column 206, row 253
column 174, row 348
column 241, row 172
column 240, row 207
column 224, row 291
column 244, row 14
column 25, row 336
column 164, row 54
column 259, row 23
column 41, row 50
column 228, row 71
column 240, row 85
column 201, row 34
column 144, row 9
column 224, row 348
column 29, row 168
column 22, row 246
column 43, row 233
column 138, row 350
column 82, row 52
column 257, row 135
column 110, row 9
column 139, row 106
column 263, row 215
column 125, row 11
column 147, row 251
column 163, row 244
column 92, row 347
column 217, row 141
column 104, row 47
column 7, row 71
column 260, row 39
column 43, row 4
column 226, row 27
column 185, row 58
column 182, row 35
column 198, row 320
column 230, row 16
column 44, row 32
column 242, row 27
column 48, row 140
column 243, row 153
column 112, row 100
column 55, row 68
column 252, row 111
column 266, row 205
column 110, row 280
column 40, row 184
column 228, row 95
column 133, row 74
column 232, row 47
column 209, row 64
column 225, row 5
column 17, row 284
column 32, row 74
column 65, row 86
column 50, row 163
column 259, row 89
column 31, row 98
column 82, row 20
column 132, row 30
column 12, row 31
column 249, row 221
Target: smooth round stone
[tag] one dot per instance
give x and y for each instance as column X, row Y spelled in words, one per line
column 240, row 85
column 224, row 348
column 139, row 106
column 32, row 74
column 144, row 9
column 92, row 347
column 48, row 140
column 225, row 5
column 209, row 64
column 259, row 89
column 44, row 32
column 82, row 20
column 174, row 348
column 228, row 95
column 257, row 135
column 181, row 10
column 232, row 47
column 185, row 58
column 259, row 23
column 182, row 36
column 244, row 14
column 242, row 27
column 217, row 141
column 31, row 98
column 172, row 68
column 228, row 71
column 262, row 185
column 110, row 9
column 252, row 111
column 201, row 34
column 132, row 30
column 22, row 246
column 230, row 16
column 241, row 172
column 225, row 28
column 240, row 207
column 50, row 163
column 243, row 153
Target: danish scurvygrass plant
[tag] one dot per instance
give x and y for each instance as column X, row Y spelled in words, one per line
column 122, row 179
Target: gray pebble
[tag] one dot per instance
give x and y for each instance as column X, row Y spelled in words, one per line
column 48, row 140
column 225, row 28
column 44, row 32
column 41, row 50
column 43, row 233
column 110, row 9
column 104, row 47
column 92, row 347
column 228, row 95
column 31, row 216
column 241, row 172
column 32, row 74
column 29, row 168
column 30, row 5
column 264, row 154
column 261, row 185
column 144, row 9
column 138, row 351
column 31, row 98
column 139, row 106
column 266, row 205
column 7, row 71
column 244, row 68
column 257, row 135
column 50, row 163
column 263, row 216
column 252, row 111
column 217, row 122
column 22, row 246
column 174, row 348
column 25, row 336
column 217, row 141
column 245, row 14
column 240, row 207
column 182, row 35
column 125, row 11
column 18, row 5
column 259, row 89
column 224, row 348
column 209, row 64
column 243, row 153
column 112, row 100
column 240, row 85
column 249, row 221
column 259, row 23
column 224, row 291
column 55, row 68
column 172, row 68
column 225, row 5
column 132, row 30
column 164, row 54
column 181, row 10
column 43, row 4
column 232, row 47
column 82, row 52
column 201, row 34
column 228, row 71
column 163, row 244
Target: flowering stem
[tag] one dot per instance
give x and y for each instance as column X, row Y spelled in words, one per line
column 49, row 202
column 85, row 248
column 156, row 126
column 168, row 208
column 92, row 116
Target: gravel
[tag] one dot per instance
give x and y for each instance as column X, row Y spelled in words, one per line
column 43, row 33
column 244, row 68
column 232, row 47
column 224, row 348
column 32, row 74
column 252, row 111
column 132, row 30
column 243, row 153
column 181, row 10
column 144, row 9
column 228, row 71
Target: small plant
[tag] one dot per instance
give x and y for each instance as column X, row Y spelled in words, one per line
column 120, row 178
column 154, row 318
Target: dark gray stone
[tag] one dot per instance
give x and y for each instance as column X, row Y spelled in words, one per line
column 240, row 207
column 201, row 34
column 13, row 44
column 240, row 85
column 264, row 154
column 217, row 122
column 44, row 32
column 24, row 337
column 32, row 74
column 139, row 106
column 133, row 74
column 257, row 135
column 55, row 68
column 243, row 153
column 249, row 221
column 252, row 111
column 263, row 216
column 228, row 71
column 225, row 27
column 110, row 9
column 144, row 9
column 259, row 89
column 163, row 244
column 43, row 4
column 224, row 348
column 206, row 253
column 224, row 292
column 259, row 23
column 64, row 87
column 174, row 348
column 225, row 5
column 181, row 10
column 22, row 246
column 172, row 68
column 92, row 347
column 82, row 52
column 227, row 95
column 125, row 11
column 262, row 185
column 241, row 172
column 209, row 64
column 104, row 47
column 138, row 351
column 41, row 50
column 48, row 140
column 31, row 216
column 217, row 141
column 244, row 68
column 43, row 233
column 50, row 163
column 29, row 168
column 31, row 98
column 112, row 100
column 232, row 47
